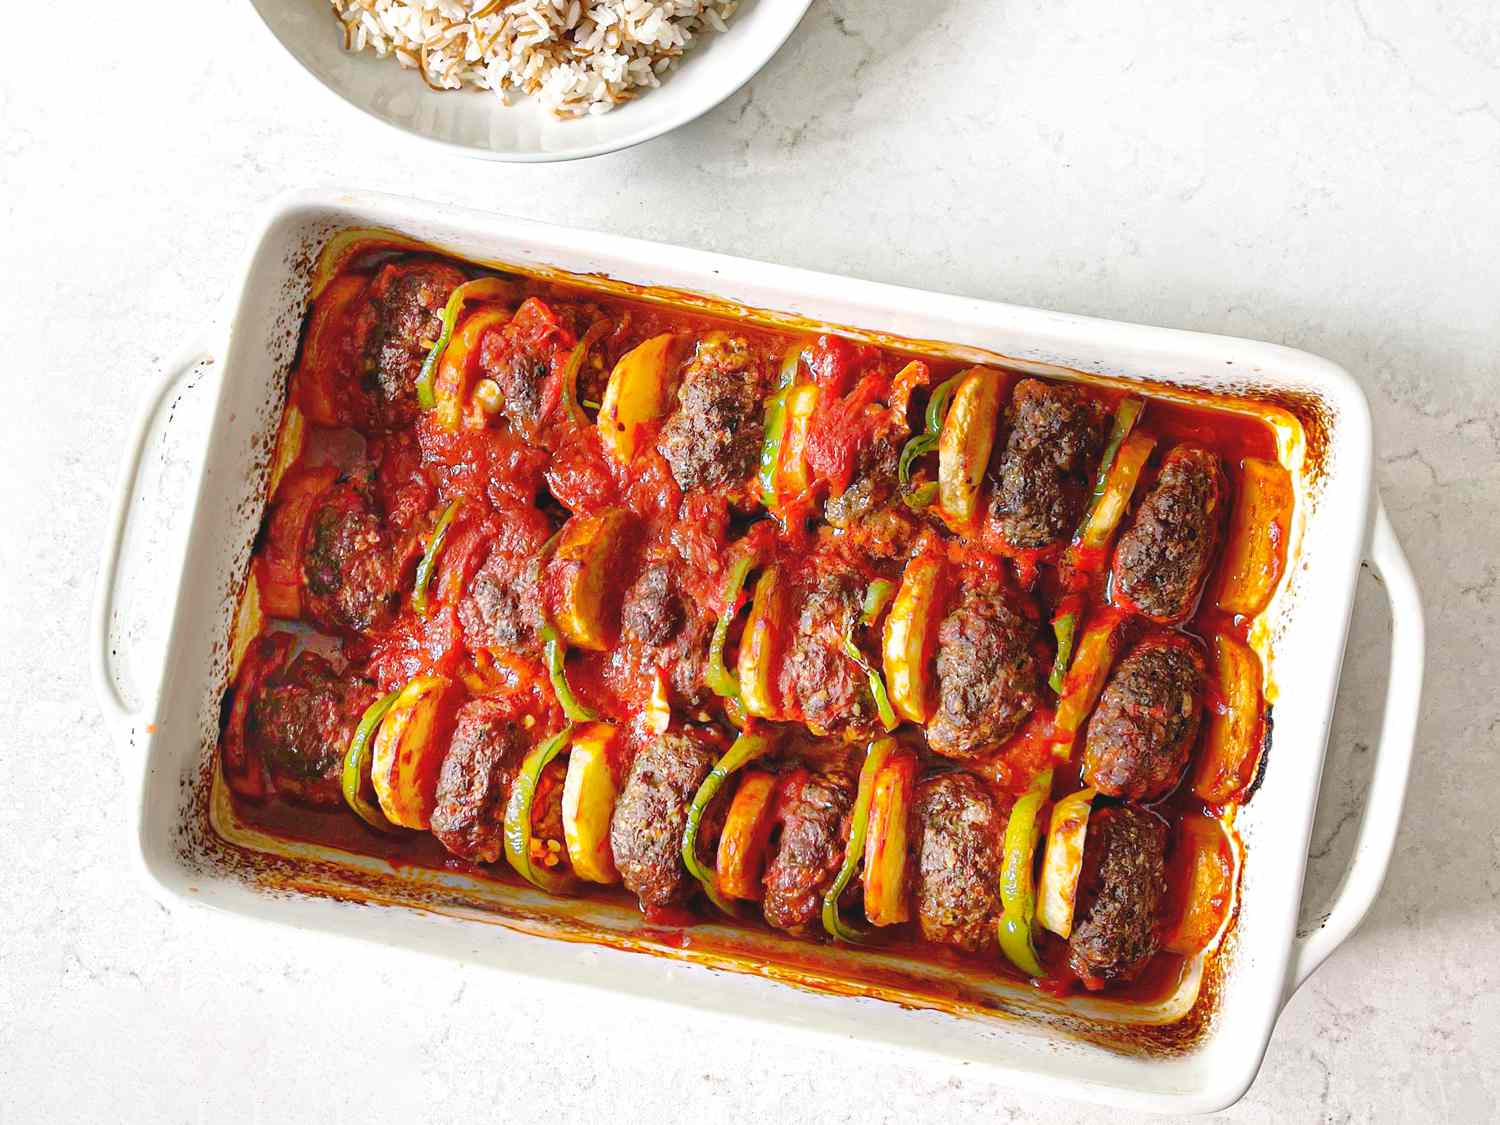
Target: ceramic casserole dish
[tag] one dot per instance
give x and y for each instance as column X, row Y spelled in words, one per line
column 1196, row 1049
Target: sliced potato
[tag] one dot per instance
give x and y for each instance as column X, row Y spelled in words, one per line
column 886, row 900
column 1119, row 483
column 1062, row 865
column 454, row 381
column 910, row 639
column 588, row 803
column 641, row 389
column 746, row 835
column 249, row 623
column 324, row 364
column 760, row 645
column 289, row 442
column 275, row 598
column 791, row 473
column 1231, row 747
column 964, row 445
column 1255, row 554
column 1200, row 885
column 278, row 563
column 410, row 747
column 1085, row 679
column 581, row 570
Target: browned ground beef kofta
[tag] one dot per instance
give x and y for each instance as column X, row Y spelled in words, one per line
column 502, row 608
column 813, row 810
column 1141, row 733
column 651, row 816
column 823, row 684
column 484, row 754
column 656, row 614
column 652, row 611
column 1045, row 475
column 1120, row 894
column 873, row 484
column 987, row 676
column 301, row 721
column 1163, row 557
column 349, row 568
column 525, row 358
column 714, row 435
column 956, row 859
column 402, row 316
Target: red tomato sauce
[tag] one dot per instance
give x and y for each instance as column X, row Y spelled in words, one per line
column 521, row 475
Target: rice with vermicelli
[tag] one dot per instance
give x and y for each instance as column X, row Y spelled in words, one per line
column 578, row 56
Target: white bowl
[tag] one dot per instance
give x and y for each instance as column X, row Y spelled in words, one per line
column 478, row 123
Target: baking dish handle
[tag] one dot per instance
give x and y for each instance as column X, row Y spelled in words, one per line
column 103, row 655
column 1387, row 788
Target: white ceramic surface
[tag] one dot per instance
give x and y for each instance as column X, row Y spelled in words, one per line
column 478, row 123
column 167, row 726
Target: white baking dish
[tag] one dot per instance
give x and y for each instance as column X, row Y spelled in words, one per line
column 170, row 730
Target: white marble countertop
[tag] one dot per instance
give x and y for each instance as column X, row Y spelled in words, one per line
column 1322, row 175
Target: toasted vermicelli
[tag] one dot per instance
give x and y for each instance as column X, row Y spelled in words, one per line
column 578, row 57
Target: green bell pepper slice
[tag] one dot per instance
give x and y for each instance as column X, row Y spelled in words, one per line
column 770, row 447
column 1065, row 624
column 429, row 557
column 357, row 762
column 492, row 288
column 877, row 597
column 1126, row 416
column 1064, row 627
column 1017, row 881
column 876, row 756
column 744, row 750
column 720, row 680
column 517, row 827
column 596, row 331
column 791, row 366
column 555, row 651
column 925, row 442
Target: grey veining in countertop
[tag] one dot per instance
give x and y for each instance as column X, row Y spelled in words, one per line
column 1320, row 175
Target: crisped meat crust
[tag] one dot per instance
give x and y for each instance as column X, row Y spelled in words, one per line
column 503, row 609
column 874, row 481
column 404, row 311
column 886, row 534
column 652, row 612
column 713, row 436
column 658, row 615
column 813, row 810
column 503, row 606
column 349, row 570
column 827, row 687
column 1120, row 895
column 1163, row 557
column 987, row 676
column 958, row 854
column 651, row 815
column 301, row 721
column 1142, row 731
column 484, row 754
column 1050, row 459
